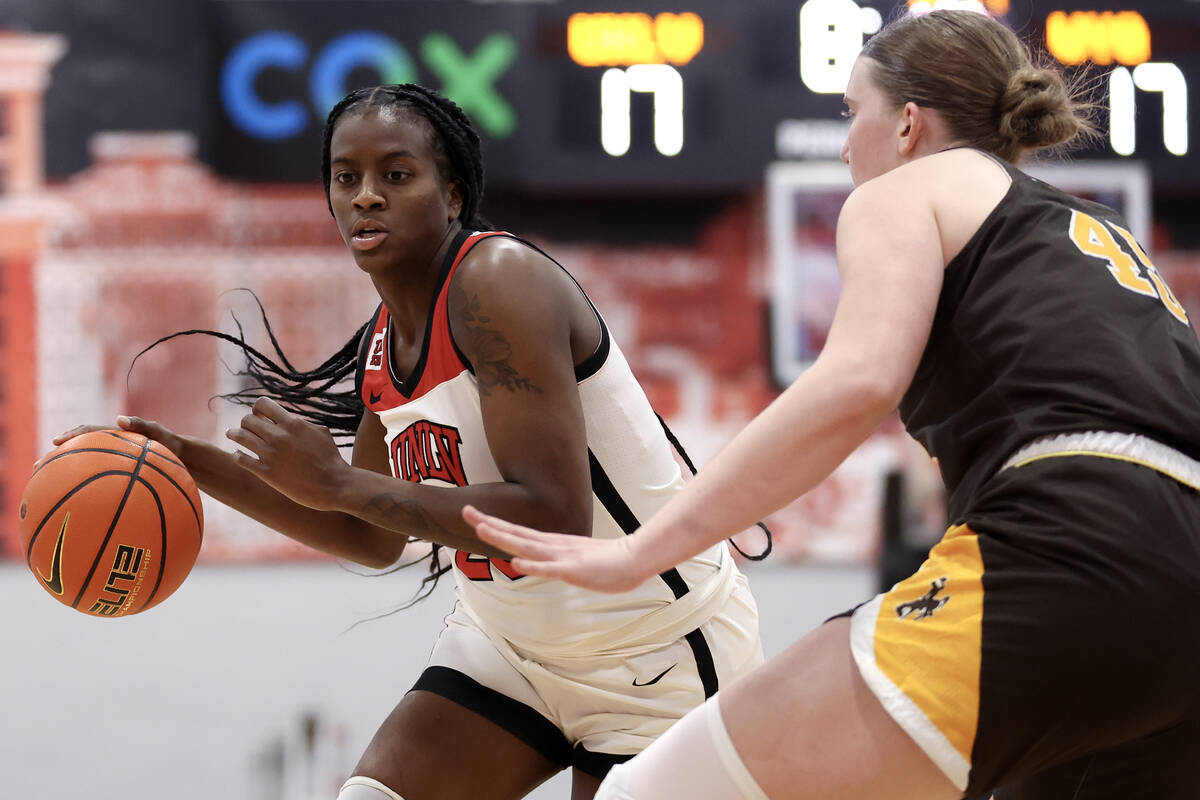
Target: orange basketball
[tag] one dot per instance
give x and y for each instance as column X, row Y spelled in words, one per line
column 111, row 523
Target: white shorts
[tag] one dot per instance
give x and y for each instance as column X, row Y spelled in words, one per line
column 593, row 713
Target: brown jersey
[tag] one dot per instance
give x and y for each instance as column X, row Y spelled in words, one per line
column 1051, row 320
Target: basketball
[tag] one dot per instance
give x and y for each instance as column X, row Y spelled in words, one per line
column 110, row 523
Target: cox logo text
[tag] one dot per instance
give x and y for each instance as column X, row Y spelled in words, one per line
column 467, row 79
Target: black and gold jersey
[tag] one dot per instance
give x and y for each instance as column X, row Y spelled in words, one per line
column 1051, row 320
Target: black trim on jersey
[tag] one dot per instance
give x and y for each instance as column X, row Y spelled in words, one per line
column 616, row 506
column 847, row 614
column 584, row 369
column 766, row 551
column 704, row 662
column 514, row 716
column 466, row 362
column 596, row 764
column 360, row 369
column 408, row 385
column 592, row 364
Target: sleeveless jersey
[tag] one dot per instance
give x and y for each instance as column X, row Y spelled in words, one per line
column 435, row 435
column 1051, row 320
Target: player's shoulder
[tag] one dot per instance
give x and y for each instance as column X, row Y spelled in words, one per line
column 502, row 262
column 931, row 182
column 949, row 173
column 959, row 188
column 513, row 276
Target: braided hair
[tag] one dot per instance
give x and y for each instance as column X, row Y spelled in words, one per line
column 321, row 395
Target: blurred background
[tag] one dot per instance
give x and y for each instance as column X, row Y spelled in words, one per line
column 679, row 158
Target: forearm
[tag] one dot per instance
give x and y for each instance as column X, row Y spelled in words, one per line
column 784, row 452
column 218, row 475
column 434, row 513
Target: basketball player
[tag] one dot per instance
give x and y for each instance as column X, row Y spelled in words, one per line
column 1049, row 646
column 487, row 377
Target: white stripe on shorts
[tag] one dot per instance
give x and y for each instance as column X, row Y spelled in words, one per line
column 898, row 705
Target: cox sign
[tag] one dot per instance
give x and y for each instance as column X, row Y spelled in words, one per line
column 467, row 79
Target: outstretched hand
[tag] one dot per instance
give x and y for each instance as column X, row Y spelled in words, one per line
column 603, row 565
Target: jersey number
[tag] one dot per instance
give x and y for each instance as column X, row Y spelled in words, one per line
column 1093, row 238
column 479, row 568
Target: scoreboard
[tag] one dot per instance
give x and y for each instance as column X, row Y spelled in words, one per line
column 659, row 96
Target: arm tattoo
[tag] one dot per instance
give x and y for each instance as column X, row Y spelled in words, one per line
column 395, row 513
column 489, row 349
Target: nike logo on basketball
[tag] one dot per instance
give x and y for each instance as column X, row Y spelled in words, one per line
column 54, row 582
column 375, row 398
column 656, row 678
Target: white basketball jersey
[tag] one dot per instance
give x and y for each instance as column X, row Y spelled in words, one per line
column 435, row 435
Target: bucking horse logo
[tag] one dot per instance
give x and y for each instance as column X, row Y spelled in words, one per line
column 926, row 604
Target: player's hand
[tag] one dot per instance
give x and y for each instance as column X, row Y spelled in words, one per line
column 603, row 565
column 291, row 454
column 151, row 430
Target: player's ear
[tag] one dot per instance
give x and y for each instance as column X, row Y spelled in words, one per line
column 454, row 201
column 910, row 128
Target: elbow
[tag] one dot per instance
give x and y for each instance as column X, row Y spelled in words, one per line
column 371, row 562
column 579, row 522
column 575, row 521
column 870, row 393
column 382, row 549
column 555, row 499
column 881, row 398
column 566, row 513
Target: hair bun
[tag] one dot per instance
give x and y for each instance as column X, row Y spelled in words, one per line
column 1036, row 109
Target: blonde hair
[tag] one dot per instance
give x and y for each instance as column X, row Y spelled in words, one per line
column 982, row 80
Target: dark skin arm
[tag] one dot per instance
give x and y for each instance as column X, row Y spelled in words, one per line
column 523, row 338
column 523, row 324
column 218, row 474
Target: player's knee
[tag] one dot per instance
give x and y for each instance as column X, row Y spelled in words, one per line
column 362, row 788
column 695, row 758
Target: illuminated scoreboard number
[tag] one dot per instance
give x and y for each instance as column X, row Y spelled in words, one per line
column 616, row 124
column 703, row 94
column 1124, row 38
column 1162, row 77
column 832, row 33
column 638, row 51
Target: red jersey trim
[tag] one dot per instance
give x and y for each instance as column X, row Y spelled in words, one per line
column 382, row 389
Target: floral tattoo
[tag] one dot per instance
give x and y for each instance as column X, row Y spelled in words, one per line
column 491, row 350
